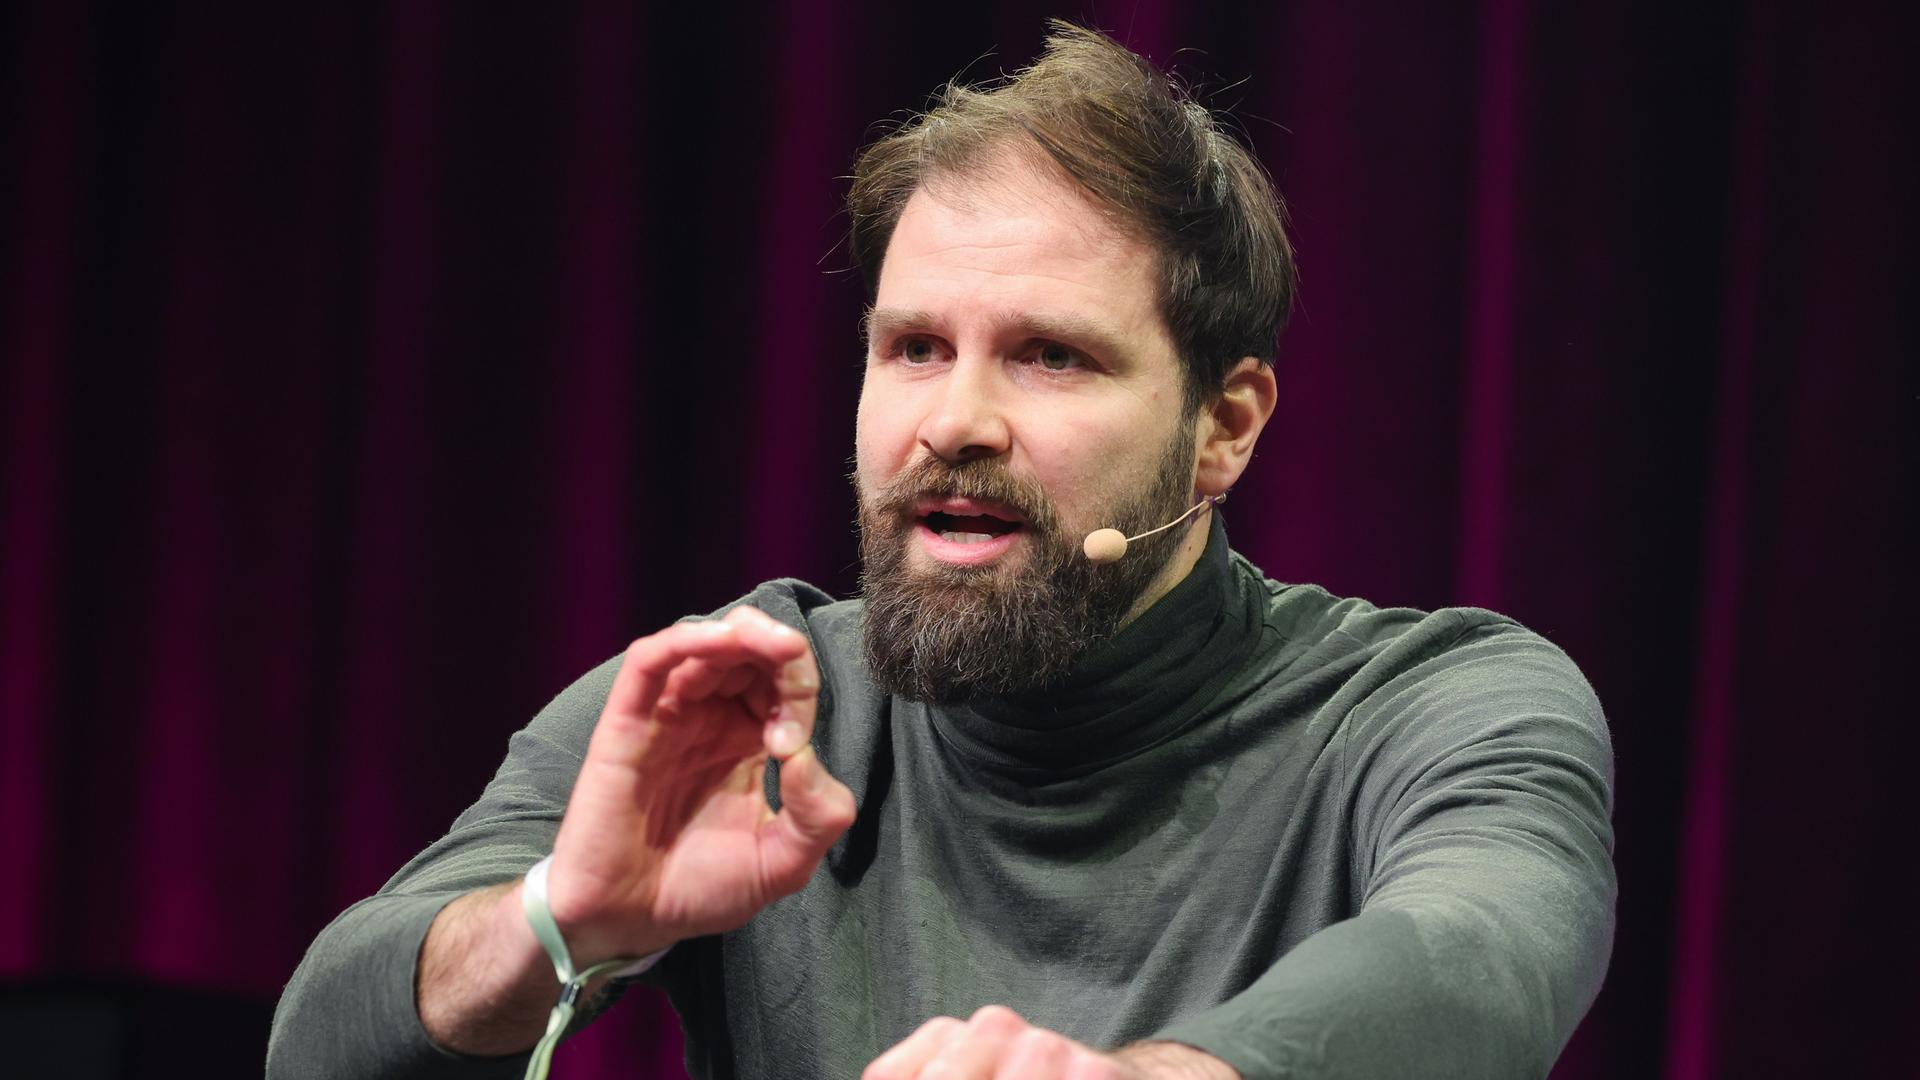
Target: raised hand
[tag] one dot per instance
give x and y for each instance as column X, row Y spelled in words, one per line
column 668, row 833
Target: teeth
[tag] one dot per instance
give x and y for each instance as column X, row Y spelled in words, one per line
column 966, row 538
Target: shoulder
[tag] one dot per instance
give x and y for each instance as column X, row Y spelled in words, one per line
column 1314, row 628
column 1469, row 685
column 789, row 600
column 1404, row 675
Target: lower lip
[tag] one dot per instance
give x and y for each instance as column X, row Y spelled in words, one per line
column 959, row 554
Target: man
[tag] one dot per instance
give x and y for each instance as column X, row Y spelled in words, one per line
column 1015, row 813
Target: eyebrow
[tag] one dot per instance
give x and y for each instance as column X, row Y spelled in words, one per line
column 885, row 322
column 1071, row 329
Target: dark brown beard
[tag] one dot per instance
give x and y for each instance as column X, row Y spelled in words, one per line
column 951, row 632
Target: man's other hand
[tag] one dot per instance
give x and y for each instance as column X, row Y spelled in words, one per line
column 996, row 1044
column 668, row 833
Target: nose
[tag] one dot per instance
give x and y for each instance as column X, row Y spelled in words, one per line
column 965, row 420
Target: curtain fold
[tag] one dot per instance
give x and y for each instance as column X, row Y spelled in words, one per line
column 1796, row 723
column 39, row 263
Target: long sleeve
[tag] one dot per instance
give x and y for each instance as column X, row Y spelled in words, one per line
column 349, row 1009
column 1478, row 784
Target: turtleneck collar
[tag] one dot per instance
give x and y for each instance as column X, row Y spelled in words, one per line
column 1141, row 686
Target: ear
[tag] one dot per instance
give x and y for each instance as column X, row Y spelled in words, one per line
column 1231, row 423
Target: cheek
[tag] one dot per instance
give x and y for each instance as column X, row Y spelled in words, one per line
column 1090, row 467
column 1081, row 465
column 881, row 441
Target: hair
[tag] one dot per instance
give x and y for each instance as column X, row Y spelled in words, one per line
column 1135, row 142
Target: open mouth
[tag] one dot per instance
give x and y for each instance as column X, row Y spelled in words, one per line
column 968, row 528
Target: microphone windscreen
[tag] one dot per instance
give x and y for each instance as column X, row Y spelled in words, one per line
column 1105, row 545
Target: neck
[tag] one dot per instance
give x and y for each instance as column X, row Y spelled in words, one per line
column 1193, row 542
column 1140, row 686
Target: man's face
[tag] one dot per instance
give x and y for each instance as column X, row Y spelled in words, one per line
column 1021, row 391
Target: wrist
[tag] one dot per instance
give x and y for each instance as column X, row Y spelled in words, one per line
column 575, row 954
column 520, row 950
column 592, row 933
column 574, row 979
column 1175, row 1061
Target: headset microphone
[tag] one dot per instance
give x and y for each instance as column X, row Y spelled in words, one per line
column 1107, row 545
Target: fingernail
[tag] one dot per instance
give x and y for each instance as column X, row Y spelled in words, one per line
column 786, row 738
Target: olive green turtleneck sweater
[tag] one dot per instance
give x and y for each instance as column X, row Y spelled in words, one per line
column 1310, row 836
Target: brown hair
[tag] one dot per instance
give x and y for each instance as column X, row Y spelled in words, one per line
column 1137, row 144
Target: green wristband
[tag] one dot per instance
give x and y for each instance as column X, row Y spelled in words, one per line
column 533, row 901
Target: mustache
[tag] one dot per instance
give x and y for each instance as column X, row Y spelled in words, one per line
column 986, row 479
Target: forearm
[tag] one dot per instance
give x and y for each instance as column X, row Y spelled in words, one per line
column 1173, row 1061
column 383, row 995
column 1362, row 999
column 485, row 986
column 1435, row 992
column 350, row 1009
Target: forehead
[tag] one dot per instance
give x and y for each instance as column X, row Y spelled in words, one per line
column 1020, row 238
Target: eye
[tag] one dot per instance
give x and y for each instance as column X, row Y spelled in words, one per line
column 917, row 350
column 1057, row 357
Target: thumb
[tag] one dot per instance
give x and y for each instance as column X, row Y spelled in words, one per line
column 815, row 810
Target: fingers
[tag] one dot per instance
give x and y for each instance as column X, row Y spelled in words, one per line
column 815, row 810
column 700, row 677
column 779, row 642
column 905, row 1060
column 993, row 1044
column 643, row 672
column 795, row 691
column 976, row 1052
column 796, row 698
column 1035, row 1052
column 789, row 702
column 745, row 637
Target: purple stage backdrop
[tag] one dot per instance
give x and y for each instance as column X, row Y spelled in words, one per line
column 369, row 372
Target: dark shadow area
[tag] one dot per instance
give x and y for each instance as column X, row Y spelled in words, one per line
column 72, row 1030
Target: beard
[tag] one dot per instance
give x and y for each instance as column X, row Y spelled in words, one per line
column 947, row 633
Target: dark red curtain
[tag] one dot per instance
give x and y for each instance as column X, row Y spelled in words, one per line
column 371, row 371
